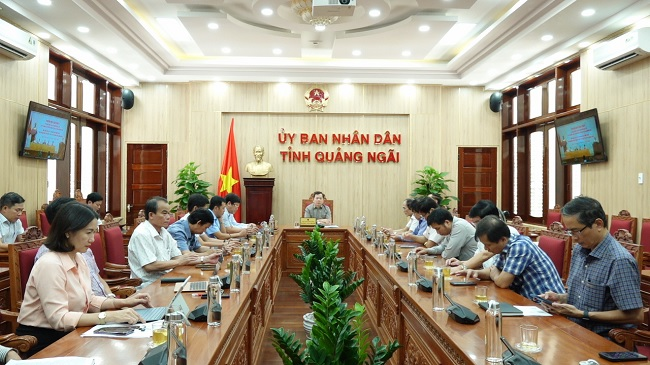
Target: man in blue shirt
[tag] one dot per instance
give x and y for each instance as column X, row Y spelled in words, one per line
column 217, row 229
column 230, row 224
column 604, row 281
column 184, row 232
column 521, row 265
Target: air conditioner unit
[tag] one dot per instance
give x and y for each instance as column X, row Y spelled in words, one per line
column 623, row 50
column 333, row 7
column 16, row 43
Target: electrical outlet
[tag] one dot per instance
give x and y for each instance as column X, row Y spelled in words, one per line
column 640, row 178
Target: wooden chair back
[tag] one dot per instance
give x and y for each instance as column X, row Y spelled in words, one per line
column 645, row 242
column 328, row 202
column 523, row 230
column 21, row 261
column 23, row 220
column 111, row 237
column 636, row 250
column 20, row 343
column 108, row 218
column 41, row 222
column 557, row 227
column 552, row 216
column 99, row 252
column 557, row 245
column 623, row 222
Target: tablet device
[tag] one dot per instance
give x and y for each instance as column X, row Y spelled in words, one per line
column 619, row 356
column 507, row 310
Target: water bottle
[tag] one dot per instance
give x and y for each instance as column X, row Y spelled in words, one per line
column 373, row 232
column 214, row 301
column 267, row 237
column 411, row 259
column 391, row 253
column 356, row 226
column 438, row 290
column 380, row 244
column 272, row 223
column 176, row 339
column 235, row 270
column 259, row 244
column 246, row 257
column 493, row 327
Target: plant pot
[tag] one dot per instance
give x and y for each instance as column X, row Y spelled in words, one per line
column 308, row 323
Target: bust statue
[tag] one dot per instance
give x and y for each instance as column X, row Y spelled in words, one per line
column 259, row 167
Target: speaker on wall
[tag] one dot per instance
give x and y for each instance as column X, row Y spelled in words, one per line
column 495, row 101
column 127, row 99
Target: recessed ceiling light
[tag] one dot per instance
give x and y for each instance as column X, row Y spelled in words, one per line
column 547, row 37
column 267, row 11
column 356, row 52
column 406, row 53
column 588, row 12
column 319, row 27
column 226, row 50
column 83, row 29
column 44, row 35
column 213, row 25
column 424, row 28
column 374, row 13
column 45, row 2
column 515, row 57
column 277, row 51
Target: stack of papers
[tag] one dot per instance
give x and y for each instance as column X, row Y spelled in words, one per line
column 141, row 331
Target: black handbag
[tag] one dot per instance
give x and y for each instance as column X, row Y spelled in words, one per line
column 514, row 357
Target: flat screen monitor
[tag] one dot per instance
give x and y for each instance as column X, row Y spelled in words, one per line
column 46, row 132
column 579, row 139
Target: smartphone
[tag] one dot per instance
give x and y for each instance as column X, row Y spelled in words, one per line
column 462, row 283
column 117, row 331
column 619, row 356
column 544, row 300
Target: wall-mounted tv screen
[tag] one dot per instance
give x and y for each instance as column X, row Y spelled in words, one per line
column 46, row 132
column 579, row 140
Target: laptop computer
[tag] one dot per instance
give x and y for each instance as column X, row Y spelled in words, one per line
column 507, row 310
column 177, row 303
column 192, row 286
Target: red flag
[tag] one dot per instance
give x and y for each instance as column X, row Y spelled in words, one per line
column 229, row 179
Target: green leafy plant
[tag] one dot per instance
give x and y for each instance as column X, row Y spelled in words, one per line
column 322, row 264
column 432, row 182
column 338, row 337
column 187, row 183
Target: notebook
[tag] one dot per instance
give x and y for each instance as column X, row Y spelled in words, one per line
column 158, row 313
column 193, row 286
column 507, row 310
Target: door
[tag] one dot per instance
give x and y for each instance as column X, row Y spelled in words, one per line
column 477, row 176
column 146, row 175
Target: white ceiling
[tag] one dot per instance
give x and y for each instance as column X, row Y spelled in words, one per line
column 127, row 42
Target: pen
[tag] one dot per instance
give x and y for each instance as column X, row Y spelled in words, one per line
column 199, row 295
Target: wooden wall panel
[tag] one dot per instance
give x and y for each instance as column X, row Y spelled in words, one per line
column 623, row 101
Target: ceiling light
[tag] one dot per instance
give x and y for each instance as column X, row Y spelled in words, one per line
column 406, row 53
column 547, row 37
column 267, row 11
column 584, row 44
column 213, row 25
column 356, row 52
column 44, row 35
column 303, row 9
column 226, row 50
column 515, row 57
column 83, row 29
column 277, row 51
column 456, row 33
column 588, row 12
column 320, row 27
column 424, row 28
column 45, row 2
column 374, row 13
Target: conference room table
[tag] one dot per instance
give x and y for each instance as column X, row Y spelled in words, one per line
column 394, row 309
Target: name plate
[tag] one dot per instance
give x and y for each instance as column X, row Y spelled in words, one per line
column 307, row 222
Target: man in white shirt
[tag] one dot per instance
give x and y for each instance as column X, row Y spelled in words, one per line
column 94, row 200
column 232, row 204
column 12, row 206
column 152, row 250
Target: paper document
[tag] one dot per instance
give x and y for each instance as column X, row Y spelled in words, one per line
column 70, row 360
column 532, row 311
column 140, row 331
column 331, row 226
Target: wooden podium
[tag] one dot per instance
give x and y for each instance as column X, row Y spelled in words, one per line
column 259, row 199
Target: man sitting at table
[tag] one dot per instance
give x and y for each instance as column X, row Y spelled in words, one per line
column 185, row 232
column 454, row 238
column 230, row 223
column 422, row 207
column 94, row 200
column 12, row 206
column 152, row 250
column 604, row 281
column 521, row 265
column 317, row 209
column 200, row 201
column 217, row 229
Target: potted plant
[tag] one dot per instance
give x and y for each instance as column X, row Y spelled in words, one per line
column 187, row 183
column 433, row 182
column 322, row 265
column 338, row 336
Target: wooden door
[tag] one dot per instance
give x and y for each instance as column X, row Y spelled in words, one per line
column 477, row 176
column 146, row 175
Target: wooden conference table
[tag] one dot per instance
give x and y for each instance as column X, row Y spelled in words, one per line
column 395, row 310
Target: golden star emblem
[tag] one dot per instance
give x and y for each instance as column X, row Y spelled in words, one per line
column 227, row 181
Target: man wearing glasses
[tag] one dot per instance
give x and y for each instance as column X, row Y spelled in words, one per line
column 12, row 206
column 604, row 281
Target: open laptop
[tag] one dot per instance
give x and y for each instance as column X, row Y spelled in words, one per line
column 176, row 304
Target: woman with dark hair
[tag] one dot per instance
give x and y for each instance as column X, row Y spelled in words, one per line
column 58, row 296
